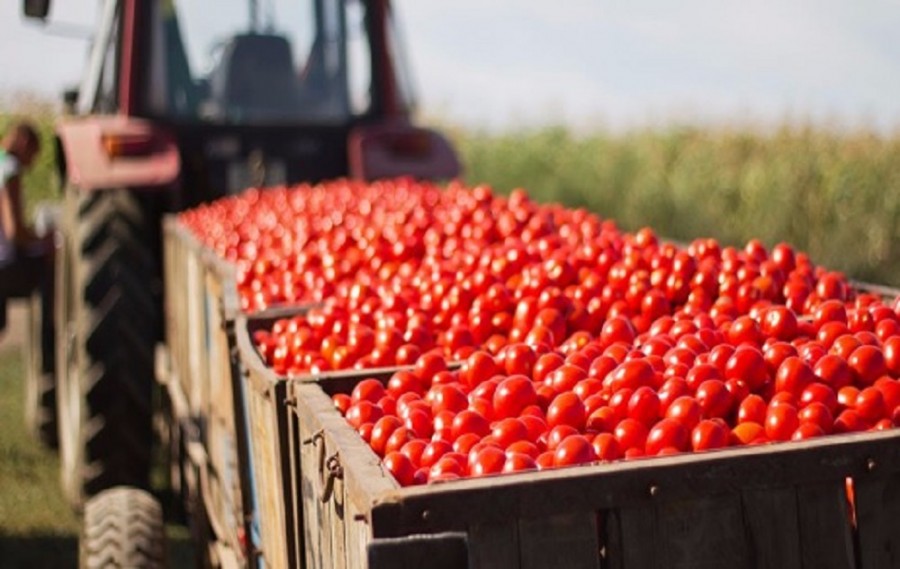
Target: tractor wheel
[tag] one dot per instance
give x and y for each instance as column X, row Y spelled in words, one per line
column 109, row 319
column 123, row 527
column 40, row 383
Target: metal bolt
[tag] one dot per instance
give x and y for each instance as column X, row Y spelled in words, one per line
column 654, row 490
column 426, row 515
column 871, row 464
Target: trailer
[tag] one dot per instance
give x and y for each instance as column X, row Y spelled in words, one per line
column 284, row 481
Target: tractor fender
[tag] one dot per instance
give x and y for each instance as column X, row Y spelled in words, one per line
column 116, row 151
column 398, row 148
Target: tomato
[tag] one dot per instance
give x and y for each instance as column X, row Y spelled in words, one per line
column 714, row 398
column 833, row 371
column 519, row 462
column 779, row 322
column 820, row 393
column 566, row 409
column 468, row 421
column 892, row 355
column 447, row 397
column 488, row 460
column 429, row 365
column 867, row 364
column 870, row 405
column 752, row 409
column 433, row 451
column 545, row 364
column 512, row 395
column 631, row 434
column 807, row 431
column 667, row 433
column 405, row 382
column 606, row 447
column 572, row 450
column 519, row 359
column 748, row 365
column 849, row 421
column 382, row 431
column 523, row 447
column 631, row 374
column 781, row 422
column 478, row 366
column 401, row 468
column 793, row 376
column 413, row 450
column 557, row 434
column 746, row 433
column 686, row 410
column 709, row 434
column 829, row 311
column 368, row 390
column 819, row 414
column 643, row 405
column 363, row 412
column 508, row 431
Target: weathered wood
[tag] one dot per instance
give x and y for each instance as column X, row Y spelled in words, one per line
column 627, row 483
column 632, row 539
column 441, row 551
column 826, row 538
column 773, row 531
column 877, row 515
column 494, row 545
column 565, row 540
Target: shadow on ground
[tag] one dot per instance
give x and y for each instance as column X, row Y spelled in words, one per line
column 37, row 551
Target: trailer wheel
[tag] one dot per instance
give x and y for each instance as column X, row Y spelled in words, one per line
column 110, row 307
column 123, row 527
column 40, row 382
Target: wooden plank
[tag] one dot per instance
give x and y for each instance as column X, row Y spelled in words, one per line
column 703, row 533
column 826, row 539
column 626, row 483
column 631, row 538
column 315, row 556
column 494, row 545
column 877, row 512
column 441, row 551
column 565, row 540
column 770, row 519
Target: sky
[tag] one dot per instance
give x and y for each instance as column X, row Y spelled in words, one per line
column 507, row 63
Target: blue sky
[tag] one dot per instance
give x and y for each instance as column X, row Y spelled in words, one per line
column 499, row 63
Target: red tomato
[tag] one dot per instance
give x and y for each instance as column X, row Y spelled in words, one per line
column 749, row 433
column 833, row 371
column 643, row 405
column 748, row 365
column 709, row 434
column 631, row 434
column 606, row 447
column 519, row 462
column 667, row 433
column 574, row 449
column 752, row 409
column 714, row 398
column 566, row 409
column 870, row 405
column 512, row 395
column 488, row 460
column 400, row 467
column 467, row 421
column 632, row 374
column 793, row 376
column 819, row 414
column 508, row 431
column 867, row 363
column 781, row 422
column 368, row 390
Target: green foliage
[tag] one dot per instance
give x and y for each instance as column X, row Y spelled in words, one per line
column 833, row 194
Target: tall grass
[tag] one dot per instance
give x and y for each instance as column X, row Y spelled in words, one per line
column 833, row 194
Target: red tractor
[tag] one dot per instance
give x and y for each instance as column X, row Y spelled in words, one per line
column 184, row 101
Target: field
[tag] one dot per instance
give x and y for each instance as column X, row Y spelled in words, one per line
column 834, row 194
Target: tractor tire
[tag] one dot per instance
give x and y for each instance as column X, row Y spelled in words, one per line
column 123, row 527
column 109, row 318
column 40, row 382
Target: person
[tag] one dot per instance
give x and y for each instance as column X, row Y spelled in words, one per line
column 18, row 241
column 18, row 150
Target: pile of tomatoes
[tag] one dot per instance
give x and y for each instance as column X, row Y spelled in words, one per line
column 538, row 336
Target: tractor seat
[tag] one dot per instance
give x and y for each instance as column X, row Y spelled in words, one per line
column 256, row 78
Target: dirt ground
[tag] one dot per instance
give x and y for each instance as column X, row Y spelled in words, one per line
column 14, row 334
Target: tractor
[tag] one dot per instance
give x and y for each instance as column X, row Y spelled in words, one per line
column 182, row 102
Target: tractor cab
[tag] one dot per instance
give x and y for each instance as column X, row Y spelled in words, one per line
column 252, row 93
